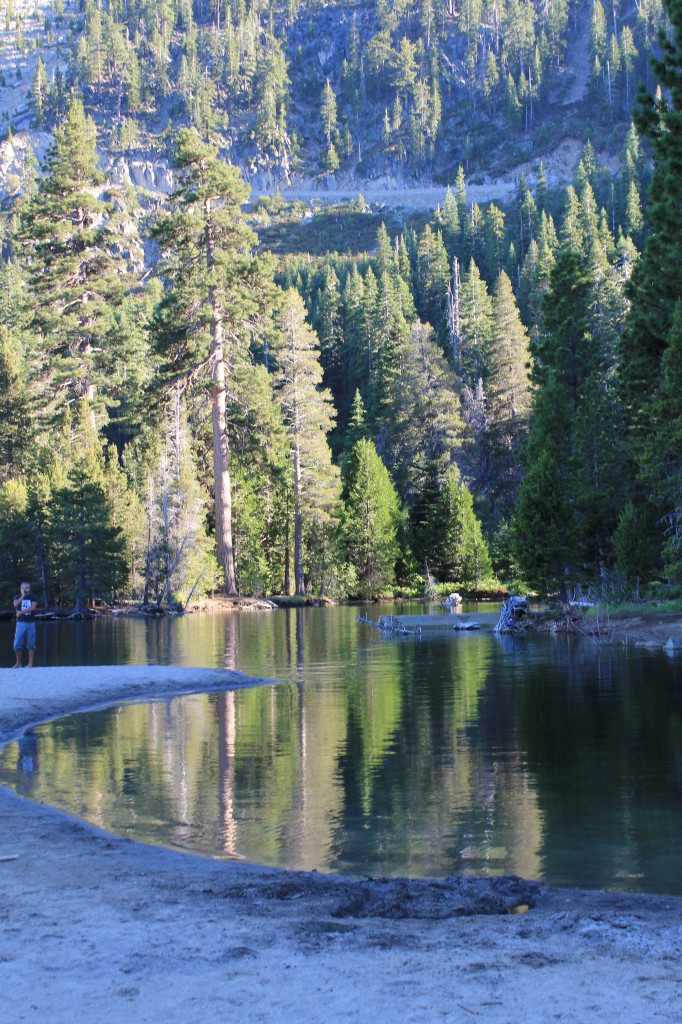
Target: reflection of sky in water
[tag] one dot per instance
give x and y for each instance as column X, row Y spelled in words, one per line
column 546, row 757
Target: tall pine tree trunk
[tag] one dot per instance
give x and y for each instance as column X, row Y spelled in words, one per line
column 79, row 604
column 221, row 461
column 298, row 523
column 221, row 445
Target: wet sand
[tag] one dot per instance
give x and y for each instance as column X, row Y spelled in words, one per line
column 104, row 929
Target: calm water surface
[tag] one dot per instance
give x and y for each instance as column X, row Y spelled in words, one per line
column 550, row 757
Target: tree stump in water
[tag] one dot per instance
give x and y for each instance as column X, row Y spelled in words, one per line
column 513, row 610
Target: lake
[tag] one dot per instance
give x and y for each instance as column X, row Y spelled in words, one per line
column 551, row 757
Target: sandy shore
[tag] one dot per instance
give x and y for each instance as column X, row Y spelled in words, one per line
column 103, row 929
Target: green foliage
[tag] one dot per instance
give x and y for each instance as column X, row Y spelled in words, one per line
column 88, row 549
column 308, row 417
column 428, row 370
column 476, row 331
column 447, row 536
column 650, row 350
column 370, row 523
column 172, row 529
column 75, row 271
column 16, row 537
column 262, row 495
column 322, row 228
column 508, row 397
column 17, row 417
column 568, row 503
column 216, row 291
column 656, row 284
column 407, row 88
column 635, row 546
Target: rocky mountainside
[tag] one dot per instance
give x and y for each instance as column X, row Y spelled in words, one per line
column 328, row 99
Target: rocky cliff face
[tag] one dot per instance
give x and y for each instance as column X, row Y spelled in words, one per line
column 18, row 157
column 28, row 149
column 147, row 174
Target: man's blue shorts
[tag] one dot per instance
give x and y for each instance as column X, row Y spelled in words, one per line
column 25, row 634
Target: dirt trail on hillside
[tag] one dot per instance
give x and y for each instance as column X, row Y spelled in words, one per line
column 559, row 167
column 411, row 199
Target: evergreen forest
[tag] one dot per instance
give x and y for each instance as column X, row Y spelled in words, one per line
column 218, row 387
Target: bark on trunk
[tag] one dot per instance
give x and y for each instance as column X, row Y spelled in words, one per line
column 221, row 447
column 221, row 463
column 287, row 556
column 79, row 605
column 298, row 524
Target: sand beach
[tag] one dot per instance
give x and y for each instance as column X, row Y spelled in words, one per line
column 103, row 929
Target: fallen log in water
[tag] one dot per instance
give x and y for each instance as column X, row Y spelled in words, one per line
column 430, row 625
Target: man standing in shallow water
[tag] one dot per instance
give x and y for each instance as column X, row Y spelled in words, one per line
column 25, row 632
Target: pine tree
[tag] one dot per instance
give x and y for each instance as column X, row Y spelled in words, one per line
column 261, row 482
column 369, row 342
column 491, row 80
column 86, row 547
column 633, row 221
column 526, row 215
column 272, row 90
column 76, row 276
column 568, row 502
column 175, row 543
column 357, row 430
column 95, row 52
column 589, row 222
column 635, row 545
column 473, row 556
column 19, row 416
column 434, row 276
column 370, row 524
column 477, row 326
column 217, row 290
column 420, row 425
column 571, row 225
column 629, row 54
column 508, row 392
column 17, row 422
column 449, row 223
column 656, row 282
column 461, row 195
column 39, row 91
column 446, row 534
column 328, row 113
column 598, row 39
column 353, row 306
column 88, row 550
column 333, row 353
column 494, row 233
column 309, row 417
column 659, row 456
column 18, row 542
column 387, row 326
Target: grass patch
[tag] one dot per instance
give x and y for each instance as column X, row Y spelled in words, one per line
column 635, row 607
column 341, row 228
